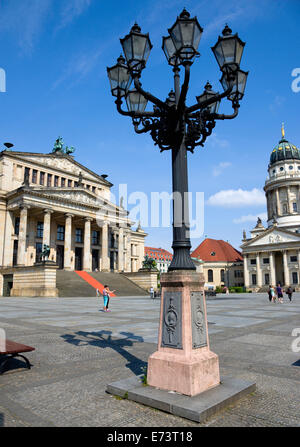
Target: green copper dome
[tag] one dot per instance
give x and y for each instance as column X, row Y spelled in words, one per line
column 284, row 151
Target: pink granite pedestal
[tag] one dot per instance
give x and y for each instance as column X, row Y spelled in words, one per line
column 183, row 361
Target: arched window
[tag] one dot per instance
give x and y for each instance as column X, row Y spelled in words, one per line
column 210, row 275
column 222, row 275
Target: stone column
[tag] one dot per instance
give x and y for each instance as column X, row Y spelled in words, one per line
column 258, row 271
column 104, row 248
column 272, row 269
column 47, row 227
column 68, row 242
column 286, row 269
column 277, row 202
column 128, row 253
column 87, row 245
column 22, row 235
column 121, row 250
column 246, row 271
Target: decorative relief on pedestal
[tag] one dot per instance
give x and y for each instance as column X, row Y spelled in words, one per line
column 199, row 335
column 171, row 324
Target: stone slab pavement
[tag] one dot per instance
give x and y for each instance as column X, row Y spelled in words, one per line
column 80, row 349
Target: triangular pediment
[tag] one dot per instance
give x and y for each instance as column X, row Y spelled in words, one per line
column 62, row 163
column 273, row 236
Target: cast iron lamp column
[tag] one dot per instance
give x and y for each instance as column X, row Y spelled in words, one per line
column 183, row 361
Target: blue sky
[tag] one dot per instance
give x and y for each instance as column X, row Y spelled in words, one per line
column 55, row 54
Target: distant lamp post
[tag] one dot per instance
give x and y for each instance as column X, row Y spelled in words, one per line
column 183, row 361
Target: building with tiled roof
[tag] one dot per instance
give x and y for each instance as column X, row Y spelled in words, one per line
column 222, row 264
column 162, row 257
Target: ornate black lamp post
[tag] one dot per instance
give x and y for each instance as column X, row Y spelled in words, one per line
column 172, row 124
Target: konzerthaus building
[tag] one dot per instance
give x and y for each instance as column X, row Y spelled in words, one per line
column 51, row 199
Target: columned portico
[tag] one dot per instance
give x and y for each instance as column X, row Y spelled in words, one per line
column 87, row 261
column 47, row 227
column 68, row 242
column 22, row 235
column 258, row 270
column 285, row 269
column 272, row 269
column 104, row 244
column 246, row 271
column 121, row 250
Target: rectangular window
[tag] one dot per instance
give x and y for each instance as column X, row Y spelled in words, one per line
column 295, row 277
column 34, row 176
column 38, row 251
column 95, row 237
column 254, row 280
column 78, row 235
column 295, row 207
column 94, row 188
column 56, row 181
column 42, row 178
column 40, row 229
column 49, row 180
column 69, row 183
column 60, row 232
column 63, row 182
column 267, row 278
column 17, row 225
column 253, row 261
column 293, row 258
column 266, row 260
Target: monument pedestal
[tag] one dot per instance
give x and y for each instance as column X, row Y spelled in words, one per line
column 183, row 361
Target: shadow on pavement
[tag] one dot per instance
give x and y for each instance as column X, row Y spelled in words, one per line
column 103, row 339
column 1, row 420
column 297, row 363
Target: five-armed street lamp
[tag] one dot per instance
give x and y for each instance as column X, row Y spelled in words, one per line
column 172, row 124
column 183, row 362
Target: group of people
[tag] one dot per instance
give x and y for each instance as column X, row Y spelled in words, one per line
column 277, row 293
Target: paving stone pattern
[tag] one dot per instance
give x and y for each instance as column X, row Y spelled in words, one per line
column 80, row 349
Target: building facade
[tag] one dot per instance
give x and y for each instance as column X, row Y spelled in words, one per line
column 51, row 199
column 162, row 257
column 272, row 254
column 222, row 264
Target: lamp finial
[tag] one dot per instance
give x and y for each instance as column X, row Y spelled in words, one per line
column 282, row 130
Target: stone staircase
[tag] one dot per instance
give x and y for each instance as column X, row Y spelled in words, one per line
column 70, row 284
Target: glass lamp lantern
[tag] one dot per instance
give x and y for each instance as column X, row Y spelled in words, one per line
column 119, row 77
column 238, row 83
column 135, row 101
column 169, row 50
column 208, row 94
column 186, row 34
column 228, row 50
column 136, row 47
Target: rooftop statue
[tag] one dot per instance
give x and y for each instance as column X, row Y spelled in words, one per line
column 60, row 149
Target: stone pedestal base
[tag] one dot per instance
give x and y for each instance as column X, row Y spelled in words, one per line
column 183, row 361
column 38, row 280
column 185, row 376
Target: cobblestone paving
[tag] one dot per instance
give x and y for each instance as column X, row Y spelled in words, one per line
column 79, row 349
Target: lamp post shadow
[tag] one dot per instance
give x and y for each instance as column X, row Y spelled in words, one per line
column 103, row 339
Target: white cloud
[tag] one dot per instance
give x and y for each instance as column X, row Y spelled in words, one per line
column 217, row 170
column 237, row 198
column 71, row 10
column 250, row 218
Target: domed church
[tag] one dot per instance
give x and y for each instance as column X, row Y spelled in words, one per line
column 272, row 254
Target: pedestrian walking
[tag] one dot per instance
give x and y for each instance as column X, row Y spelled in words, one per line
column 152, row 293
column 270, row 293
column 289, row 292
column 106, row 295
column 279, row 293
